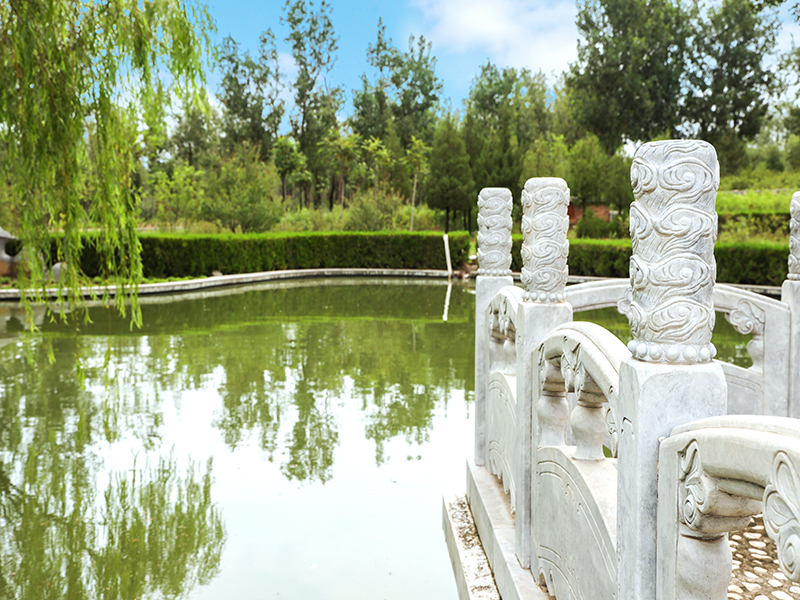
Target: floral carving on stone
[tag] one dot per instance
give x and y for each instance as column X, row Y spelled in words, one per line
column 794, row 238
column 494, row 232
column 692, row 497
column 673, row 228
column 747, row 318
column 545, row 248
column 782, row 514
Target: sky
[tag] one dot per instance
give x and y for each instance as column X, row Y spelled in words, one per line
column 537, row 34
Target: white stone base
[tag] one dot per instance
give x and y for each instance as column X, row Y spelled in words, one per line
column 495, row 526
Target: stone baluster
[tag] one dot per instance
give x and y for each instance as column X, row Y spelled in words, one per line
column 790, row 294
column 494, row 273
column 545, row 248
column 670, row 378
column 588, row 418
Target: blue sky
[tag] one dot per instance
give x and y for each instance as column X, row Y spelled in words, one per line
column 537, row 34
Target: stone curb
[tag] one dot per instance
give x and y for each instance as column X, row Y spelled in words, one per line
column 189, row 285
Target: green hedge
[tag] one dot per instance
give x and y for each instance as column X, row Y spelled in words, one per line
column 184, row 255
column 762, row 263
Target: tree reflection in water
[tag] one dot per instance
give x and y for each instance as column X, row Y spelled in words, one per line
column 152, row 531
column 285, row 369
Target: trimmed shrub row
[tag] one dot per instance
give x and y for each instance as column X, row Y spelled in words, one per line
column 184, row 255
column 762, row 263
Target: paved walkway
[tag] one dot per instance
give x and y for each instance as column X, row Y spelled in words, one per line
column 756, row 574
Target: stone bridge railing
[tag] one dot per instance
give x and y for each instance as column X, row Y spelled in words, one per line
column 603, row 471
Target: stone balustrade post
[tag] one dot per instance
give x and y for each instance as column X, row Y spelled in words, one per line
column 790, row 294
column 670, row 378
column 545, row 249
column 494, row 273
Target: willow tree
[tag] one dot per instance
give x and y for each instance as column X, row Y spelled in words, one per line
column 82, row 85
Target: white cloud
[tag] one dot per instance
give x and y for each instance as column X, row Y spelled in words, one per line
column 517, row 33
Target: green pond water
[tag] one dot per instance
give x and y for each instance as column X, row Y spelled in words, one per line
column 278, row 441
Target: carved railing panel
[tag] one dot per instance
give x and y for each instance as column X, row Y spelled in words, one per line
column 764, row 387
column 714, row 474
column 576, row 486
column 502, row 430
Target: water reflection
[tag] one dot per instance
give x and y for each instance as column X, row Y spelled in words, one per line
column 310, row 397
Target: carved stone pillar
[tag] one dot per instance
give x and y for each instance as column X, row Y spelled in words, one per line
column 494, row 273
column 670, row 379
column 790, row 294
column 545, row 248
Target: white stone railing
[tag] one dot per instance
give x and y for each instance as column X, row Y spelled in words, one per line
column 576, row 485
column 569, row 421
column 714, row 475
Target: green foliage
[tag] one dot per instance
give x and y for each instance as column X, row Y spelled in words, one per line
column 239, row 193
column 591, row 226
column 753, row 201
column 759, row 263
column 178, row 197
column 311, row 219
column 762, row 179
column 287, row 160
column 64, row 66
column 729, row 83
column 449, row 183
column 746, row 227
column 506, row 111
column 196, row 135
column 547, row 157
column 595, row 258
column 627, row 80
column 251, row 95
column 406, row 91
column 372, row 213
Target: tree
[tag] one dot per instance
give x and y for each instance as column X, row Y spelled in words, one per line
column 548, row 157
column 314, row 46
column 287, row 160
column 596, row 178
column 406, row 90
column 239, row 193
column 728, row 81
column 506, row 110
column 627, row 81
column 250, row 94
column 343, row 151
column 379, row 159
column 417, row 161
column 449, row 184
column 195, row 135
column 67, row 66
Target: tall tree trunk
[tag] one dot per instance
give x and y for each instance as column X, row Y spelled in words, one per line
column 447, row 220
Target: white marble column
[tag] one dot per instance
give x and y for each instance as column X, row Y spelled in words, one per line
column 670, row 379
column 790, row 294
column 494, row 273
column 545, row 249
